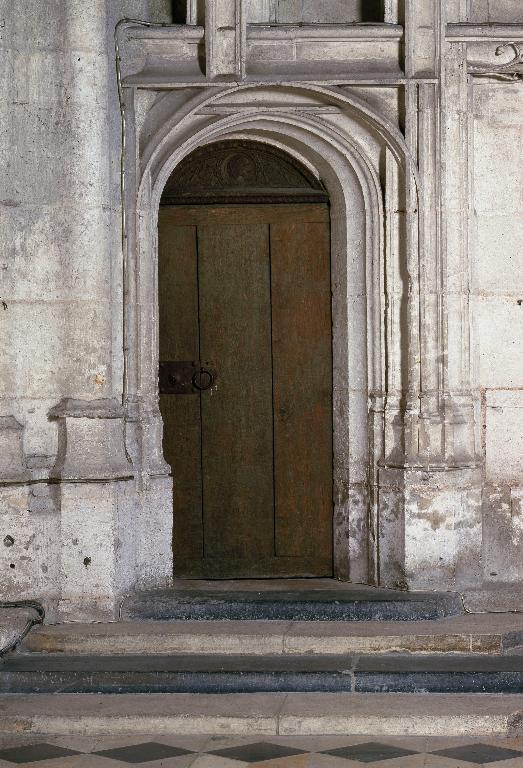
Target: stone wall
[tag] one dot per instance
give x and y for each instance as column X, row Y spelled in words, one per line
column 505, row 11
column 497, row 305
column 61, row 263
column 82, row 520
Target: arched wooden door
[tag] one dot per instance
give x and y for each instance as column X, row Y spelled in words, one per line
column 246, row 387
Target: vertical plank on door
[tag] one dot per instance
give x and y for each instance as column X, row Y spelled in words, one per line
column 237, row 435
column 302, row 354
column 179, row 340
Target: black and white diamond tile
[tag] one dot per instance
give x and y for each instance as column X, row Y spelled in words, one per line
column 143, row 753
column 257, row 752
column 173, row 751
column 34, row 753
column 370, row 752
column 480, row 754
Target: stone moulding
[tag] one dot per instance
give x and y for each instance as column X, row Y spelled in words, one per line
column 328, row 32
column 178, row 53
column 87, row 409
column 355, row 193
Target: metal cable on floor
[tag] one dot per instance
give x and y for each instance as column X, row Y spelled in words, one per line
column 39, row 619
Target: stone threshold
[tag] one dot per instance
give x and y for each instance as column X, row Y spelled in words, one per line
column 472, row 633
column 287, row 600
column 264, row 714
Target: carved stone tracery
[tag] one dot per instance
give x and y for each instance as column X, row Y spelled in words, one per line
column 510, row 70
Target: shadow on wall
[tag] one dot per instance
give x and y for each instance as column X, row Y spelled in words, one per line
column 179, row 11
column 372, row 11
column 297, row 11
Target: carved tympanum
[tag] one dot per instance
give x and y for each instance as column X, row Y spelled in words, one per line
column 239, row 171
column 510, row 70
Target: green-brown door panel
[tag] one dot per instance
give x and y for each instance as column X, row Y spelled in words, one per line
column 235, row 334
column 179, row 340
column 302, row 373
column 247, row 289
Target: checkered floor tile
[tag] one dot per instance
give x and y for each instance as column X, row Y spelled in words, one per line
column 370, row 752
column 284, row 752
column 257, row 752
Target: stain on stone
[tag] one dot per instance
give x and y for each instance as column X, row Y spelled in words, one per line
column 87, row 561
column 435, row 519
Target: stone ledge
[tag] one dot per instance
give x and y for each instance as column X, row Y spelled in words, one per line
column 468, row 33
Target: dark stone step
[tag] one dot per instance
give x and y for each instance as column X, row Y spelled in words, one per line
column 351, row 603
column 247, row 674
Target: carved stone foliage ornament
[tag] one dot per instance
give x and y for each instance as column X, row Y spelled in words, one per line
column 510, row 70
column 236, row 171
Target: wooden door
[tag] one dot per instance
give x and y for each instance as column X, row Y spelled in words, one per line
column 245, row 290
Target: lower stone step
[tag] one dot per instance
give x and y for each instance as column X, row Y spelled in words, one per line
column 249, row 674
column 265, row 714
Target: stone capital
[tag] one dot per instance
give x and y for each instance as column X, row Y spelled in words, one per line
column 91, row 443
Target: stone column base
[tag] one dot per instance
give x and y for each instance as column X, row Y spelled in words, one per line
column 154, row 533
column 29, row 548
column 430, row 528
column 98, row 549
column 116, row 534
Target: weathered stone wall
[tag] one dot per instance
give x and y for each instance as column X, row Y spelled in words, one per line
column 79, row 522
column 506, row 11
column 61, row 208
column 61, row 262
column 497, row 284
column 497, row 303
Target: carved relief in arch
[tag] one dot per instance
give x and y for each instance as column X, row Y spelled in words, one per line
column 233, row 171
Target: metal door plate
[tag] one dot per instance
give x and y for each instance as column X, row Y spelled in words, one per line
column 183, row 377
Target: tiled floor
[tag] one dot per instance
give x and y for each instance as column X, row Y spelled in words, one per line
column 171, row 751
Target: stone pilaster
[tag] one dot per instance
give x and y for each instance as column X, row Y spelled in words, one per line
column 225, row 38
column 97, row 505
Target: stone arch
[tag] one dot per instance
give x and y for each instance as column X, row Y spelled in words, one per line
column 359, row 308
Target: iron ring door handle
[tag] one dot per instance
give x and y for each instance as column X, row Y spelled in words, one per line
column 203, row 379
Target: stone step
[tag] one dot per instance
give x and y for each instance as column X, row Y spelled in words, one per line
column 481, row 633
column 264, row 714
column 288, row 600
column 394, row 673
